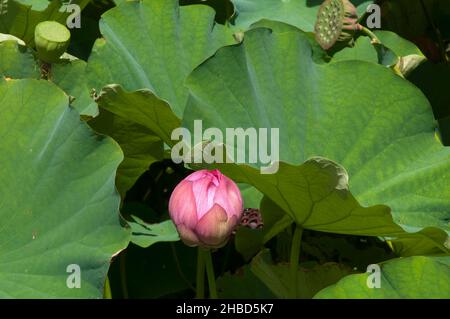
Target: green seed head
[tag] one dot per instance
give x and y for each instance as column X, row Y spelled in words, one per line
column 51, row 39
column 337, row 21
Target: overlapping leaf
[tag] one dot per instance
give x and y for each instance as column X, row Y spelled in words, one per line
column 316, row 196
column 406, row 278
column 382, row 135
column 140, row 146
column 155, row 45
column 140, row 122
column 299, row 13
column 394, row 51
column 151, row 45
column 242, row 284
column 58, row 203
column 310, row 280
column 18, row 62
column 145, row 235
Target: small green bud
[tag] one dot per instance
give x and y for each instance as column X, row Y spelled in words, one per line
column 51, row 39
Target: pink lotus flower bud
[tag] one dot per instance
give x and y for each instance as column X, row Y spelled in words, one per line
column 206, row 207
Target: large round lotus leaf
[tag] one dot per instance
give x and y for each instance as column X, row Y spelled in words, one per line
column 405, row 278
column 144, row 49
column 383, row 135
column 58, row 203
column 155, row 45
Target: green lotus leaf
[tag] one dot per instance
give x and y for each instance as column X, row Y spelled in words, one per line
column 396, row 43
column 140, row 146
column 18, row 62
column 8, row 37
column 141, row 107
column 429, row 241
column 224, row 8
column 143, row 48
column 299, row 13
column 242, row 284
column 140, row 122
column 315, row 195
column 382, row 135
column 59, row 205
column 161, row 270
column 404, row 278
column 144, row 235
column 310, row 279
column 393, row 50
column 319, row 55
column 71, row 77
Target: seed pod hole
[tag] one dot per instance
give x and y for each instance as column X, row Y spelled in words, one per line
column 337, row 21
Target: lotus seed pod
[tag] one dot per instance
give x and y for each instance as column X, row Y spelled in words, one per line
column 337, row 21
column 51, row 39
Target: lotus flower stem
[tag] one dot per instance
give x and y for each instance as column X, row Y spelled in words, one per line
column 200, row 285
column 210, row 274
column 206, row 207
column 371, row 35
column 295, row 254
